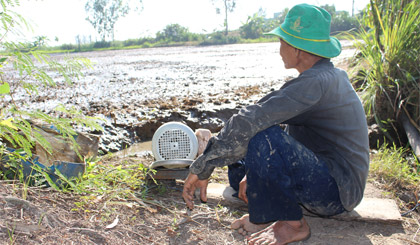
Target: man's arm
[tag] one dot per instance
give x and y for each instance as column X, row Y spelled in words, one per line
column 232, row 142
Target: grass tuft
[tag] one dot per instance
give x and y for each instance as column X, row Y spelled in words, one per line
column 395, row 167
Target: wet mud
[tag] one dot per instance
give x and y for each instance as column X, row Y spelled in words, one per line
column 136, row 91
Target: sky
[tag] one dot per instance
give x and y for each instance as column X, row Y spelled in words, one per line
column 66, row 19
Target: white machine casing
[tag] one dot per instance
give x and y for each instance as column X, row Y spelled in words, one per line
column 174, row 145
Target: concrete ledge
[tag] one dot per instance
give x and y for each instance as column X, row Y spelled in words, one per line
column 374, row 210
column 369, row 210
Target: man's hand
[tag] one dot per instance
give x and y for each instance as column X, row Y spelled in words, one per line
column 242, row 190
column 191, row 184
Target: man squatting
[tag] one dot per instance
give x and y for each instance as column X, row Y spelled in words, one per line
column 319, row 162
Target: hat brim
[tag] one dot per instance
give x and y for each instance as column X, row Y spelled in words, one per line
column 326, row 49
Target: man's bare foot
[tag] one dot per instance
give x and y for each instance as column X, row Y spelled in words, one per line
column 245, row 227
column 282, row 232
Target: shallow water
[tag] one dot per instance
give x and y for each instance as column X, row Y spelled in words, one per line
column 136, row 149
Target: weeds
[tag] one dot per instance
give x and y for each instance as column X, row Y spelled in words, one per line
column 102, row 179
column 395, row 167
column 10, row 233
column 108, row 183
column 388, row 59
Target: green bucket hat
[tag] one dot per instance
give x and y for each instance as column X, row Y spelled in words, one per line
column 307, row 27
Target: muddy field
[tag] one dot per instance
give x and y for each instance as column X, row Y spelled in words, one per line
column 135, row 91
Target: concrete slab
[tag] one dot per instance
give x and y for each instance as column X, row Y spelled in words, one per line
column 374, row 210
column 223, row 194
column 369, row 210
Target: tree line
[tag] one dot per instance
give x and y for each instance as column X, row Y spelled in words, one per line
column 103, row 15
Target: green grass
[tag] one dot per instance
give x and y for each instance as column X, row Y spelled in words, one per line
column 395, row 167
column 112, row 181
column 116, row 179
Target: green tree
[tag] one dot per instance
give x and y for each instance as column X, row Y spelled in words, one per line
column 174, row 33
column 281, row 16
column 253, row 28
column 257, row 24
column 103, row 14
column 228, row 7
column 39, row 41
column 342, row 21
column 330, row 9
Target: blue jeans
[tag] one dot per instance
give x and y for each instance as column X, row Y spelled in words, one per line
column 283, row 175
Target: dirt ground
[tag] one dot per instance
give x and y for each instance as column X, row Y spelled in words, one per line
column 160, row 217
